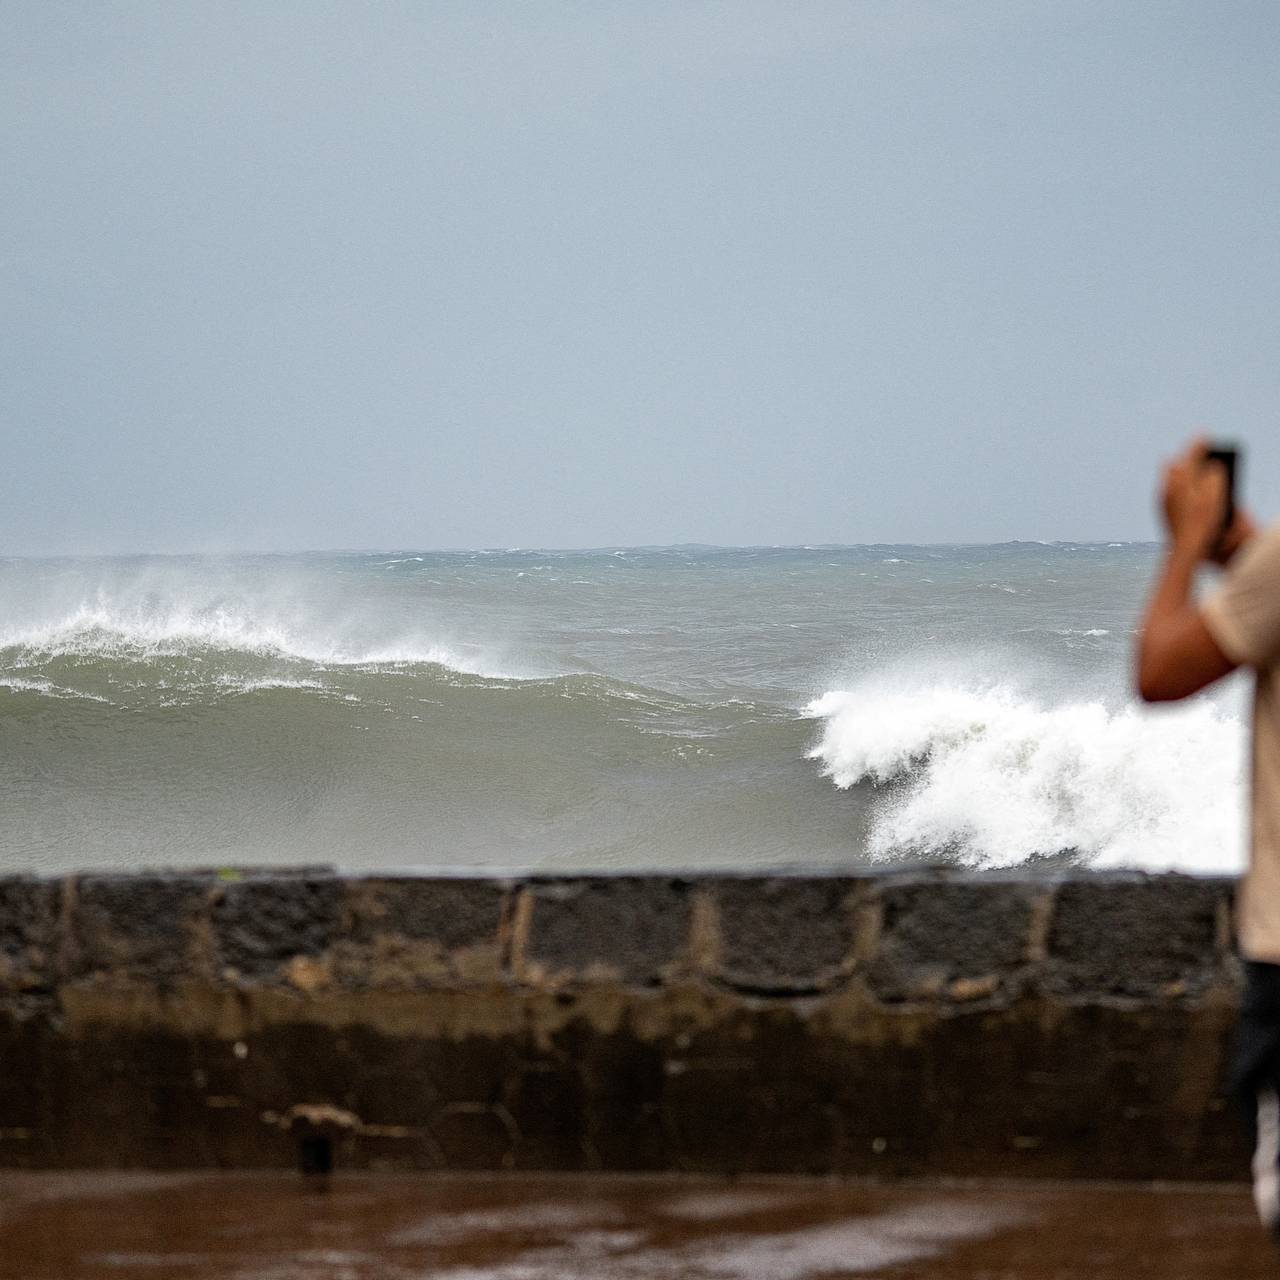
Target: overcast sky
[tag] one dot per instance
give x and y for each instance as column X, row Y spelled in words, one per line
column 285, row 275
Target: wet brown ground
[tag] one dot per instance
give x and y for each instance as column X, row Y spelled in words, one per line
column 105, row 1226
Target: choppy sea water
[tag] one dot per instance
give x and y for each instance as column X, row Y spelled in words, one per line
column 682, row 707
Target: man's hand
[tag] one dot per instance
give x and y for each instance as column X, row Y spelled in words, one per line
column 1240, row 531
column 1193, row 498
column 1177, row 655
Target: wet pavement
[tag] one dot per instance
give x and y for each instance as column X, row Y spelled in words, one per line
column 105, row 1226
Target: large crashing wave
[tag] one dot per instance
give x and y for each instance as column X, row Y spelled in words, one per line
column 992, row 777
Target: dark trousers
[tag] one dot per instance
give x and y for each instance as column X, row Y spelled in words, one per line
column 1255, row 1081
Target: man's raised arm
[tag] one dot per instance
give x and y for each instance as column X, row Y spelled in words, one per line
column 1177, row 654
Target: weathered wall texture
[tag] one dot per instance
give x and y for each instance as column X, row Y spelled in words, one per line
column 924, row 1023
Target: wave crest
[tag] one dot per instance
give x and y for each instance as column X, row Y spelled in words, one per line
column 101, row 633
column 993, row 777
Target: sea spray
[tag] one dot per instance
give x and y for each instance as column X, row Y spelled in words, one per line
column 993, row 776
column 104, row 633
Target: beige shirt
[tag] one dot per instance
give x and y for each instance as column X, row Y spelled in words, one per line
column 1243, row 616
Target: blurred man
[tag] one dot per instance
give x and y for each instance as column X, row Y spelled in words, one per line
column 1184, row 646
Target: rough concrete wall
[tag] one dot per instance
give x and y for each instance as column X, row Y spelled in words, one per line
column 903, row 1024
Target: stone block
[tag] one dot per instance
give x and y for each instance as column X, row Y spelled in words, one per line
column 1136, row 937
column 28, row 934
column 632, row 929
column 149, row 928
column 263, row 927
column 962, row 940
column 452, row 912
column 416, row 932
column 784, row 934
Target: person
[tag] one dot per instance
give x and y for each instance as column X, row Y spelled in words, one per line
column 1183, row 646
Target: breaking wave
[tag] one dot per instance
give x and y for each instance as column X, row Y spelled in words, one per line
column 991, row 776
column 105, row 634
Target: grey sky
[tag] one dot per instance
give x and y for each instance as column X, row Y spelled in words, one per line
column 480, row 274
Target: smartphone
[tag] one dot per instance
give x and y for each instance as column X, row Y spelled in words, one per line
column 1229, row 456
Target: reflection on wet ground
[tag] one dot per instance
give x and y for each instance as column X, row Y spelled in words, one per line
column 120, row 1226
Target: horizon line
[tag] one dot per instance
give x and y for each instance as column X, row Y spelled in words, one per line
column 580, row 550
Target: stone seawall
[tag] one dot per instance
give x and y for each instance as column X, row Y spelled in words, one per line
column 924, row 1023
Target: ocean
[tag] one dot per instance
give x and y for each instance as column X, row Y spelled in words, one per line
column 648, row 708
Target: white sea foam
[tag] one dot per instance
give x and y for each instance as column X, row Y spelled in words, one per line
column 261, row 683
column 21, row 685
column 46, row 688
column 994, row 776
